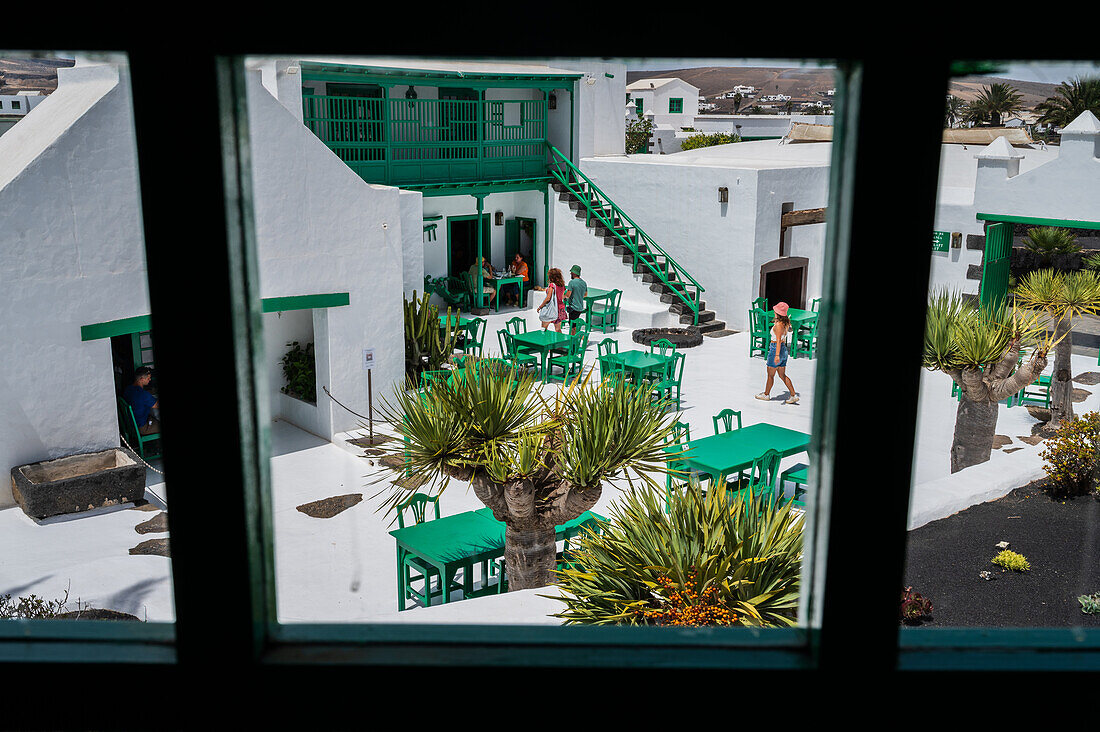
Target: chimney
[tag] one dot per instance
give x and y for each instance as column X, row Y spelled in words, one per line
column 999, row 160
column 1081, row 137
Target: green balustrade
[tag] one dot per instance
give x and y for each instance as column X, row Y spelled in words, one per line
column 600, row 207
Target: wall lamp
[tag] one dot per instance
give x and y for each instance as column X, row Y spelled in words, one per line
column 723, row 195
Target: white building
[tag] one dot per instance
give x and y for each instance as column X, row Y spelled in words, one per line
column 673, row 102
column 14, row 107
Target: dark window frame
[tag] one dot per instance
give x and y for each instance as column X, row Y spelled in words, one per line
column 224, row 591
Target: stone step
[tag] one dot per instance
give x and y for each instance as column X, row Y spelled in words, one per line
column 704, row 316
column 678, row 306
column 710, row 325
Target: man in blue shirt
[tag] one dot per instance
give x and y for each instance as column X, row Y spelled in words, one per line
column 574, row 297
column 142, row 402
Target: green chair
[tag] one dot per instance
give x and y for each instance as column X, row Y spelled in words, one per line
column 1037, row 392
column 566, row 558
column 674, row 374
column 763, row 475
column 413, row 568
column 680, row 435
column 761, row 302
column 805, row 340
column 606, row 316
column 799, row 475
column 758, row 332
column 130, row 433
column 612, row 372
column 725, row 419
column 515, row 357
column 474, row 342
column 662, row 346
column 574, row 356
column 516, row 326
column 814, row 304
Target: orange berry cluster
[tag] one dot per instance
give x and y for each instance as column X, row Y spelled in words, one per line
column 689, row 607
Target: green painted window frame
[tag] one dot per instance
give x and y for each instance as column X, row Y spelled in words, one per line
column 852, row 613
column 675, row 105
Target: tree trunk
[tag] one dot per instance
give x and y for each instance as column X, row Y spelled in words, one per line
column 975, row 426
column 1061, row 383
column 530, row 511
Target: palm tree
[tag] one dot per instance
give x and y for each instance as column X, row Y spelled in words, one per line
column 1062, row 296
column 953, row 111
column 1047, row 241
column 1070, row 100
column 535, row 462
column 991, row 103
column 979, row 348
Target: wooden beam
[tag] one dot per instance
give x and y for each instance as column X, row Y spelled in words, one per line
column 805, row 216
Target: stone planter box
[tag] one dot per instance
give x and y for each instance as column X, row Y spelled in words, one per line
column 78, row 482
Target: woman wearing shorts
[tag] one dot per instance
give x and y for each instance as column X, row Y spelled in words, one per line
column 777, row 354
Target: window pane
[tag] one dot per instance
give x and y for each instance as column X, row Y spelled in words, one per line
column 996, row 538
column 493, row 165
column 83, row 530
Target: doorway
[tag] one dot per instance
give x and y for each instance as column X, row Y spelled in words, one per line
column 784, row 280
column 519, row 236
column 462, row 242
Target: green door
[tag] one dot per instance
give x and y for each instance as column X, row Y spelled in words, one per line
column 511, row 240
column 995, row 264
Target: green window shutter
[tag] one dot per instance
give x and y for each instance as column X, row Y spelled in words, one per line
column 675, row 105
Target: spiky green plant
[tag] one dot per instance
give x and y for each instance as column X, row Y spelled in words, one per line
column 979, row 348
column 536, row 462
column 1071, row 99
column 1062, row 296
column 742, row 553
column 1047, row 241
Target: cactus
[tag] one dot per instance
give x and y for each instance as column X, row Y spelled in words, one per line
column 427, row 346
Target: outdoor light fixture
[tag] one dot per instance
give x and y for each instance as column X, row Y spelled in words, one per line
column 553, row 101
column 723, row 194
column 500, row 218
column 410, row 95
column 292, row 69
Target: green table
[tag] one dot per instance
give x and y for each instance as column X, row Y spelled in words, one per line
column 543, row 341
column 457, row 322
column 639, row 363
column 501, row 282
column 798, row 319
column 461, row 541
column 721, row 455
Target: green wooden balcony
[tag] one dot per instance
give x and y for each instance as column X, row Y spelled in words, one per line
column 405, row 142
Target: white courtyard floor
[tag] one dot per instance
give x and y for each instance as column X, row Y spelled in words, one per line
column 343, row 569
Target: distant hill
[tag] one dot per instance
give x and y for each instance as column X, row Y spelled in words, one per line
column 30, row 74
column 810, row 84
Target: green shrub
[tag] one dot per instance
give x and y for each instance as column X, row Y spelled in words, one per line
column 1046, row 241
column 712, row 559
column 1012, row 560
column 637, row 135
column 1090, row 603
column 31, row 607
column 299, row 370
column 914, row 607
column 702, row 139
column 1072, row 455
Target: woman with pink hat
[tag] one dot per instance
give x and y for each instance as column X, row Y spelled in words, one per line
column 777, row 354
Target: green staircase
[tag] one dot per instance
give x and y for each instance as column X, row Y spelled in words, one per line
column 660, row 271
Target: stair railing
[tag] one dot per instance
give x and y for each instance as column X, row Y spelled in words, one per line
column 607, row 212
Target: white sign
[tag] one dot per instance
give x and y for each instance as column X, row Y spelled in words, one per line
column 368, row 359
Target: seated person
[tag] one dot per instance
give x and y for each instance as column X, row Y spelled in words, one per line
column 142, row 402
column 519, row 269
column 487, row 273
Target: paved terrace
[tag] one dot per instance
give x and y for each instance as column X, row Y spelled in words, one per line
column 343, row 569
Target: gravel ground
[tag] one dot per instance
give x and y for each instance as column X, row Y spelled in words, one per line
column 1060, row 539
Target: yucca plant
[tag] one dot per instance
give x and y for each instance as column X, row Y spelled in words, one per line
column 1047, row 241
column 979, row 348
column 731, row 559
column 536, row 462
column 1063, row 296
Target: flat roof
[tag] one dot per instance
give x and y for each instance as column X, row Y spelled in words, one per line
column 439, row 68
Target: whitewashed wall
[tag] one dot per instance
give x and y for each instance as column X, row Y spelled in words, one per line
column 599, row 125
column 721, row 245
column 71, row 254
column 321, row 229
column 757, row 125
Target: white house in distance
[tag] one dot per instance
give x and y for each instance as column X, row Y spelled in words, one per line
column 673, row 102
column 14, row 107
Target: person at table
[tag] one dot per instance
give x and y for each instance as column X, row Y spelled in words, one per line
column 575, row 292
column 518, row 269
column 777, row 354
column 487, row 273
column 555, row 291
column 142, row 402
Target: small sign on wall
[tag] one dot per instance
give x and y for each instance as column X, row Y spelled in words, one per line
column 941, row 240
column 368, row 359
